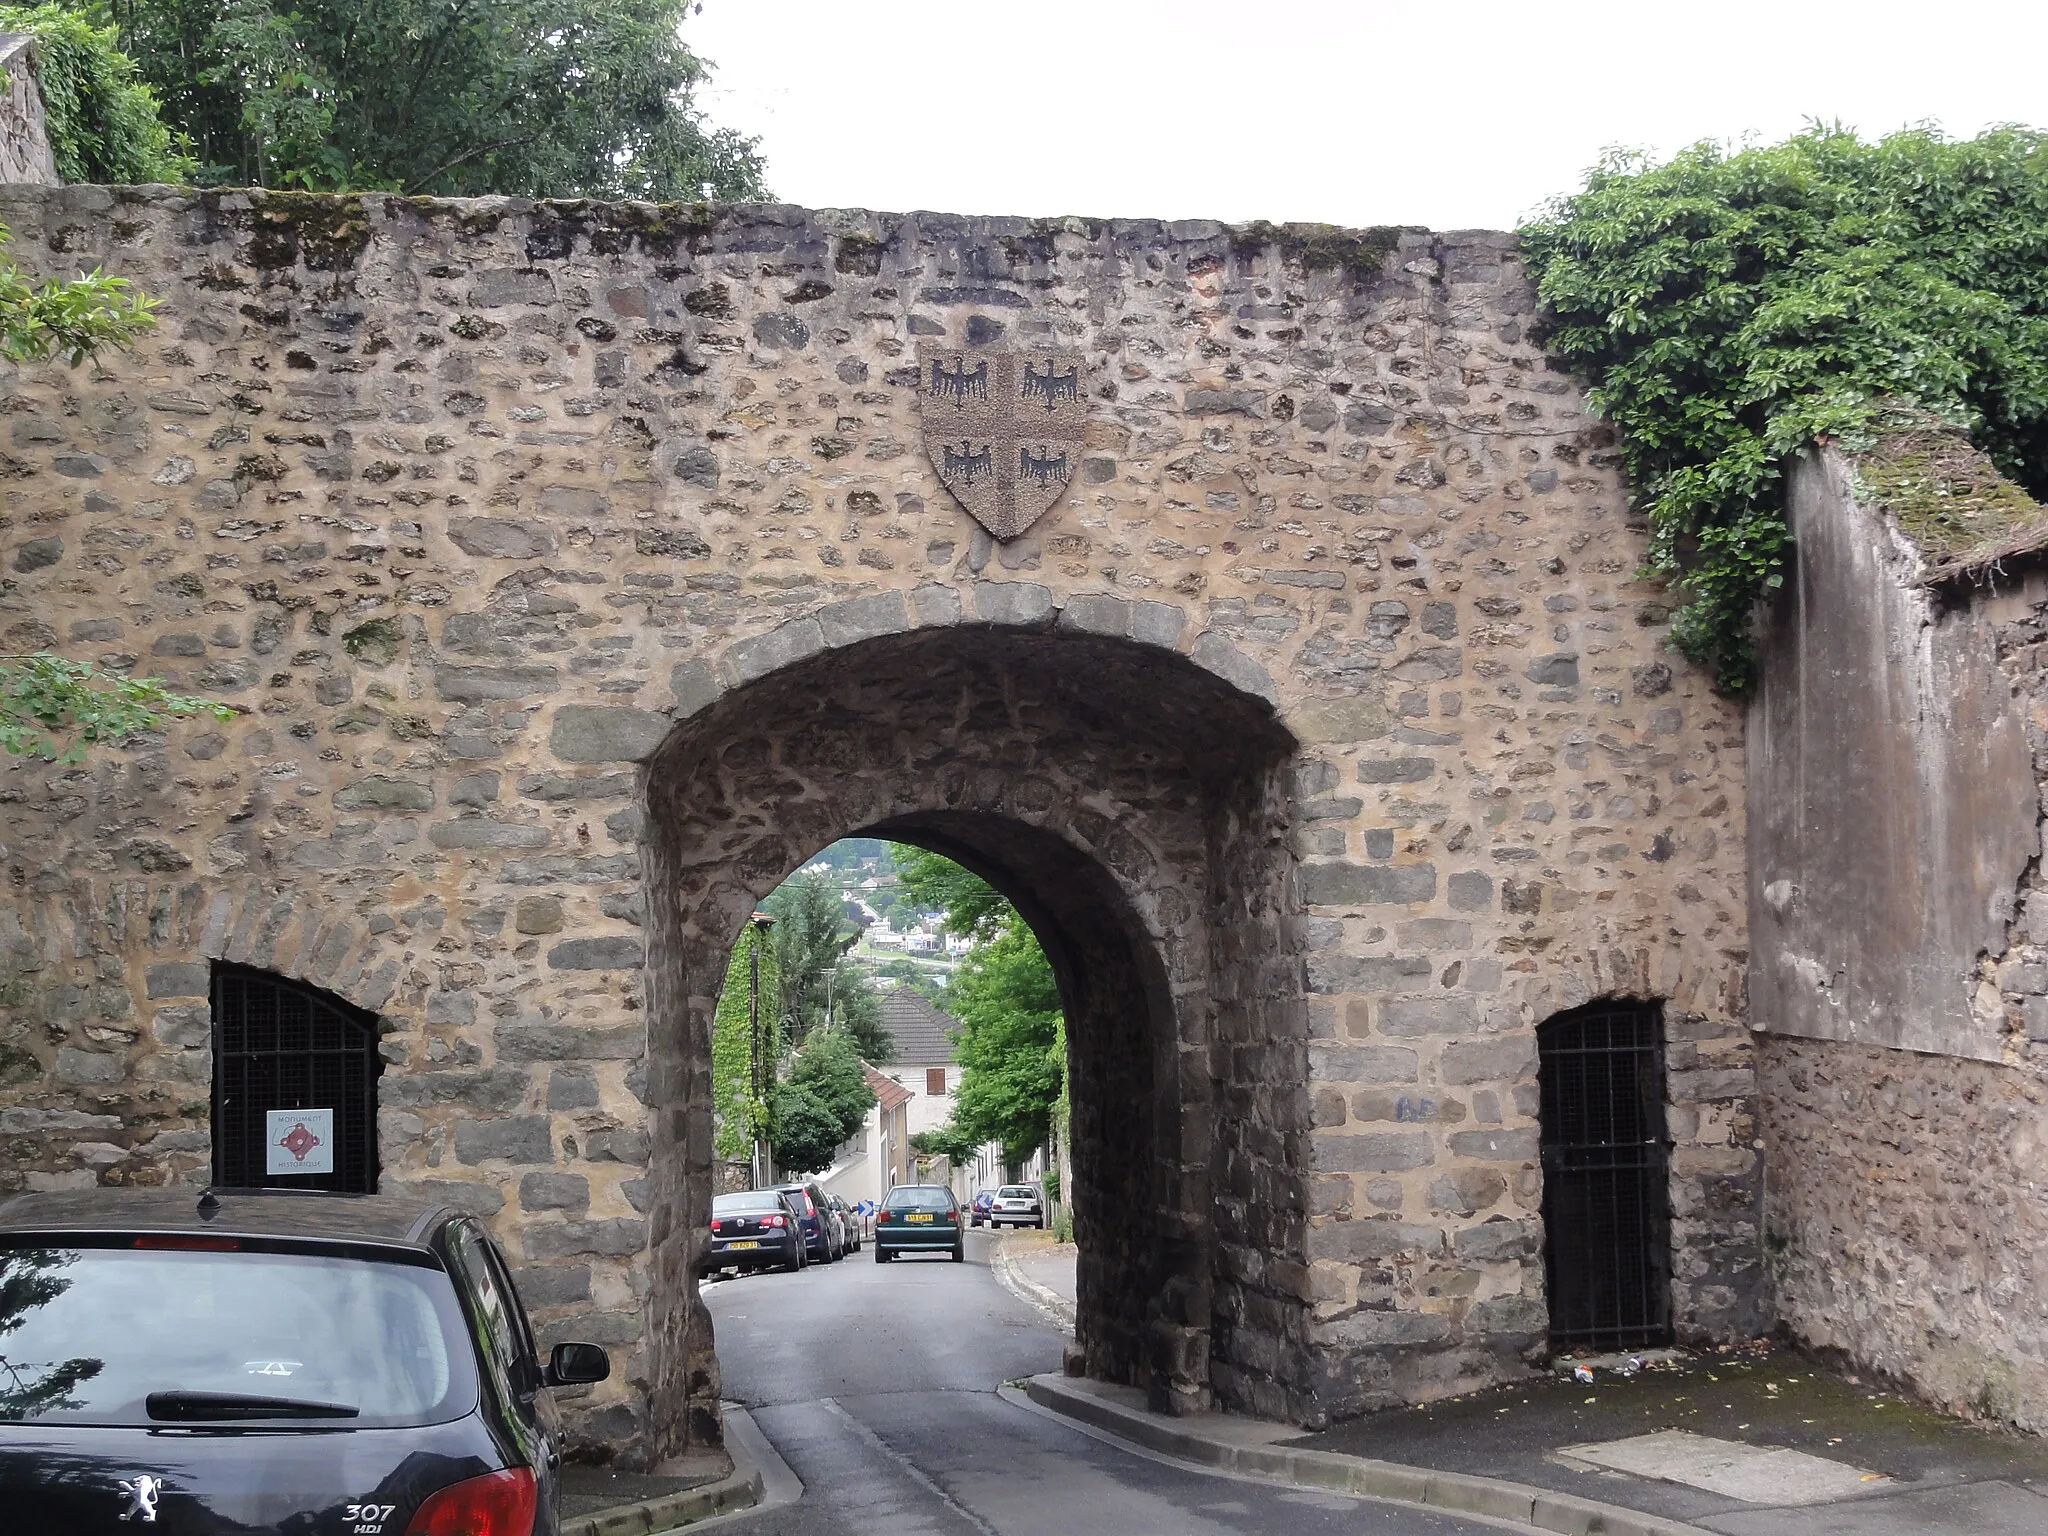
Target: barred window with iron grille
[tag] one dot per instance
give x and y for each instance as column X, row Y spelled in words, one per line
column 280, row 1044
column 1606, row 1176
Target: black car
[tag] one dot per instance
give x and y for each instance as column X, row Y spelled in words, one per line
column 757, row 1229
column 319, row 1364
column 822, row 1242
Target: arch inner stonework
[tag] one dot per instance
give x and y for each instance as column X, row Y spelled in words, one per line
column 1133, row 805
column 1323, row 722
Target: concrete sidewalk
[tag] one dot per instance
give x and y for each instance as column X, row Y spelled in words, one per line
column 1040, row 1268
column 1755, row 1442
column 598, row 1501
column 1760, row 1443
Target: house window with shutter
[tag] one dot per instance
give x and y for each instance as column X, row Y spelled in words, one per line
column 935, row 1082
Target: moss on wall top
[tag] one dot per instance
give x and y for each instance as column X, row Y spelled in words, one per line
column 1946, row 495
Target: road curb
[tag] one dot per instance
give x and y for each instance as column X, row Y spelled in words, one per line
column 1025, row 1289
column 1247, row 1448
column 740, row 1492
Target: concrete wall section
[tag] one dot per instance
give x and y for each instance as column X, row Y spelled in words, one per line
column 1900, row 976
column 1893, row 807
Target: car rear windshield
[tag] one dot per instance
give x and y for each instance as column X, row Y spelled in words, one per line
column 801, row 1201
column 88, row 1334
column 756, row 1203
column 1014, row 1192
column 919, row 1197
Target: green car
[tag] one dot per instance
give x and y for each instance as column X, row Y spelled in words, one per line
column 919, row 1218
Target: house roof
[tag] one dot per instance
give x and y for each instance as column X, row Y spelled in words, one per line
column 923, row 1034
column 889, row 1093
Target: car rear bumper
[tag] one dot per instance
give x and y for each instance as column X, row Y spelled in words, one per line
column 768, row 1254
column 917, row 1239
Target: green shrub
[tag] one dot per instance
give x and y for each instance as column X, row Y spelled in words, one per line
column 1727, row 309
column 103, row 120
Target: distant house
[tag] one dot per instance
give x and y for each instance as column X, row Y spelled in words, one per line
column 914, row 1093
column 878, row 1156
column 927, row 1064
column 925, row 1053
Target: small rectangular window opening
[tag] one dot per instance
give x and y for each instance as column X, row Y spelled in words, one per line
column 935, row 1082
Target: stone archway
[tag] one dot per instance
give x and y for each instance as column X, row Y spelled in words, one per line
column 1133, row 806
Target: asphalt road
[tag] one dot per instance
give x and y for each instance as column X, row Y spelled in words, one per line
column 877, row 1384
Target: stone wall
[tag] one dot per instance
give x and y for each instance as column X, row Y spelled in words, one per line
column 25, row 153
column 1900, row 980
column 571, row 568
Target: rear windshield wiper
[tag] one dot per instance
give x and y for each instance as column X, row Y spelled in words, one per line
column 212, row 1407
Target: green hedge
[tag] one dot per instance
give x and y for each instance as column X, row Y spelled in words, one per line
column 103, row 121
column 1727, row 309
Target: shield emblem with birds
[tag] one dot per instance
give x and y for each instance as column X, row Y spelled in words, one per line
column 1003, row 428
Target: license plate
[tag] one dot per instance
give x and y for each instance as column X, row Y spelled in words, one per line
column 917, row 1216
column 750, row 1243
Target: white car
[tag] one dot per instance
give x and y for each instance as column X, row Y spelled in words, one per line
column 1017, row 1205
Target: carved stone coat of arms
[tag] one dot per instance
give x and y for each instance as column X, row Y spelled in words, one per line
column 1003, row 429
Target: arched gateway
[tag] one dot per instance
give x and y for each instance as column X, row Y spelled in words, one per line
column 577, row 571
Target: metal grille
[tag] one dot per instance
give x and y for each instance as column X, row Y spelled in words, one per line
column 280, row 1045
column 1606, row 1176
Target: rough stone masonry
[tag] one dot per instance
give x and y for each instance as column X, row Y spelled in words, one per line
column 574, row 572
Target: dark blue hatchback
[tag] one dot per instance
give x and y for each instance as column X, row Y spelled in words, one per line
column 821, row 1235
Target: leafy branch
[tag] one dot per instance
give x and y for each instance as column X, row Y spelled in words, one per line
column 52, row 707
column 1728, row 309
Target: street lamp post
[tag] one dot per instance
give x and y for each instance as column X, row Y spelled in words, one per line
column 759, row 1060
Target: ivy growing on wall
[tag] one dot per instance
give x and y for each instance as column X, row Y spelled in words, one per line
column 1728, row 308
column 741, row 1114
column 102, row 119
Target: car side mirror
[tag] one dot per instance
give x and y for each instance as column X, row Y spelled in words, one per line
column 576, row 1365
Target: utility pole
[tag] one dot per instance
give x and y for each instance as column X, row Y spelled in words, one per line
column 760, row 1060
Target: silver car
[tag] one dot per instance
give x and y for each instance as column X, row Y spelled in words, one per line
column 1017, row 1205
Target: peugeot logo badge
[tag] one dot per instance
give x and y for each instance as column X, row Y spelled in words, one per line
column 142, row 1493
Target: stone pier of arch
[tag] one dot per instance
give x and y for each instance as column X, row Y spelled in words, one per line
column 575, row 572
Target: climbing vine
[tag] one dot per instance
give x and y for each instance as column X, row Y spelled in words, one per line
column 1728, row 308
column 741, row 1114
column 102, row 118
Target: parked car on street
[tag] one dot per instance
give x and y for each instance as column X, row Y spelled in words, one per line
column 919, row 1218
column 270, row 1362
column 823, row 1243
column 849, row 1223
column 757, row 1229
column 977, row 1213
column 1017, row 1205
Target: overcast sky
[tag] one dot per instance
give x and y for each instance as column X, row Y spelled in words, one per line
column 1448, row 113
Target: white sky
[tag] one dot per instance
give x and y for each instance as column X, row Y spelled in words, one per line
column 1448, row 113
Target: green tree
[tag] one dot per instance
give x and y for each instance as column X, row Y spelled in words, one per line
column 1011, row 1067
column 811, row 937
column 822, row 1104
column 551, row 98
column 1012, row 1048
column 103, row 119
column 1729, row 308
column 857, row 1009
column 973, row 908
column 739, row 1114
column 806, row 1132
